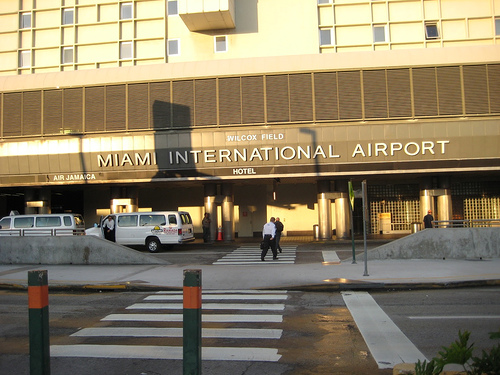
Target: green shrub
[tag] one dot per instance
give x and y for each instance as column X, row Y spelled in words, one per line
column 460, row 352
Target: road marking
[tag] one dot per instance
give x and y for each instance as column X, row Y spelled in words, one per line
column 388, row 345
column 221, row 297
column 233, row 291
column 330, row 257
column 209, row 306
column 164, row 352
column 250, row 255
column 208, row 318
column 233, row 333
column 456, row 317
column 133, row 326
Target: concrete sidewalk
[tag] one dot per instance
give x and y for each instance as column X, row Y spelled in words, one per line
column 382, row 274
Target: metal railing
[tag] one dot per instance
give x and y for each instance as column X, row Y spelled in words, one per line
column 479, row 223
column 30, row 232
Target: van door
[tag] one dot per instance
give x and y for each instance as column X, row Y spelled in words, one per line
column 126, row 230
column 187, row 227
column 153, row 225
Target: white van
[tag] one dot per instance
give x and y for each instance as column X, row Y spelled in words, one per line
column 152, row 229
column 42, row 225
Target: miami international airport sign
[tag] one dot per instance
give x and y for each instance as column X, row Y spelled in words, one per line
column 316, row 150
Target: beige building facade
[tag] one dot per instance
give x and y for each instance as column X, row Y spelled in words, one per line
column 248, row 109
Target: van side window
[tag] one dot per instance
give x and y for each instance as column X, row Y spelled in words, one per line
column 24, row 222
column 127, row 221
column 152, row 220
column 67, row 221
column 48, row 221
column 5, row 223
column 172, row 219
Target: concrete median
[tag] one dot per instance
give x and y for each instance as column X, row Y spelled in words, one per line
column 442, row 243
column 69, row 250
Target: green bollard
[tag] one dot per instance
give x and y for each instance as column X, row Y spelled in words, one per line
column 38, row 302
column 192, row 322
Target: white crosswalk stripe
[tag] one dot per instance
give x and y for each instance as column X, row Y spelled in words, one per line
column 249, row 254
column 236, row 326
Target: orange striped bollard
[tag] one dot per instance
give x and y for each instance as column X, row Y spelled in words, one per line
column 192, row 322
column 38, row 302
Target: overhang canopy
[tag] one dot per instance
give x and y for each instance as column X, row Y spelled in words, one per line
column 199, row 15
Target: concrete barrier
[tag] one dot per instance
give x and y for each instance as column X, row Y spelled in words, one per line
column 69, row 250
column 448, row 243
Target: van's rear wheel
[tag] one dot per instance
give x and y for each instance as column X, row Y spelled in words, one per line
column 153, row 245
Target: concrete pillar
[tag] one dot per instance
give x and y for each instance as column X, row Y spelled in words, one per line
column 227, row 212
column 29, row 196
column 342, row 214
column 37, row 201
column 426, row 203
column 210, row 193
column 426, row 197
column 444, row 206
column 342, row 217
column 324, row 210
column 45, row 196
column 124, row 199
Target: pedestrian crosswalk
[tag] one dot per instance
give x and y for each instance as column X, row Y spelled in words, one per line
column 228, row 322
column 249, row 254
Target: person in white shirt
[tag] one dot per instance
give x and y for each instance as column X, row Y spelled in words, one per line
column 109, row 229
column 269, row 237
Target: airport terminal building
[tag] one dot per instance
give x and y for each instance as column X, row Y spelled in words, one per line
column 248, row 109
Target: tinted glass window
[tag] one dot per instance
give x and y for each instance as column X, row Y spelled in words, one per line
column 172, row 219
column 186, row 219
column 48, row 221
column 24, row 222
column 152, row 220
column 79, row 221
column 67, row 221
column 127, row 221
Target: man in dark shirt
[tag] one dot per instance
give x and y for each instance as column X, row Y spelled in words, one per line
column 428, row 219
column 279, row 229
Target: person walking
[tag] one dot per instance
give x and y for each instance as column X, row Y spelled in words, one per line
column 269, row 239
column 109, row 229
column 428, row 219
column 205, row 223
column 279, row 229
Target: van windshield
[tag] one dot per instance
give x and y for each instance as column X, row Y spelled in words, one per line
column 5, row 223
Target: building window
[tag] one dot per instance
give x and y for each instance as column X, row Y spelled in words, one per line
column 68, row 16
column 431, row 31
column 172, row 8
column 126, row 11
column 67, row 55
column 325, row 37
column 125, row 50
column 173, row 47
column 324, row 1
column 497, row 26
column 25, row 20
column 24, row 59
column 220, row 44
column 379, row 34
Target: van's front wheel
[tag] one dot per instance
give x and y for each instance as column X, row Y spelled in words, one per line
column 153, row 245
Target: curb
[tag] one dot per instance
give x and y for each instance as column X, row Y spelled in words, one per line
column 334, row 287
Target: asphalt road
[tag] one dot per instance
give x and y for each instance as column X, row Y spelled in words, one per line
column 318, row 334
